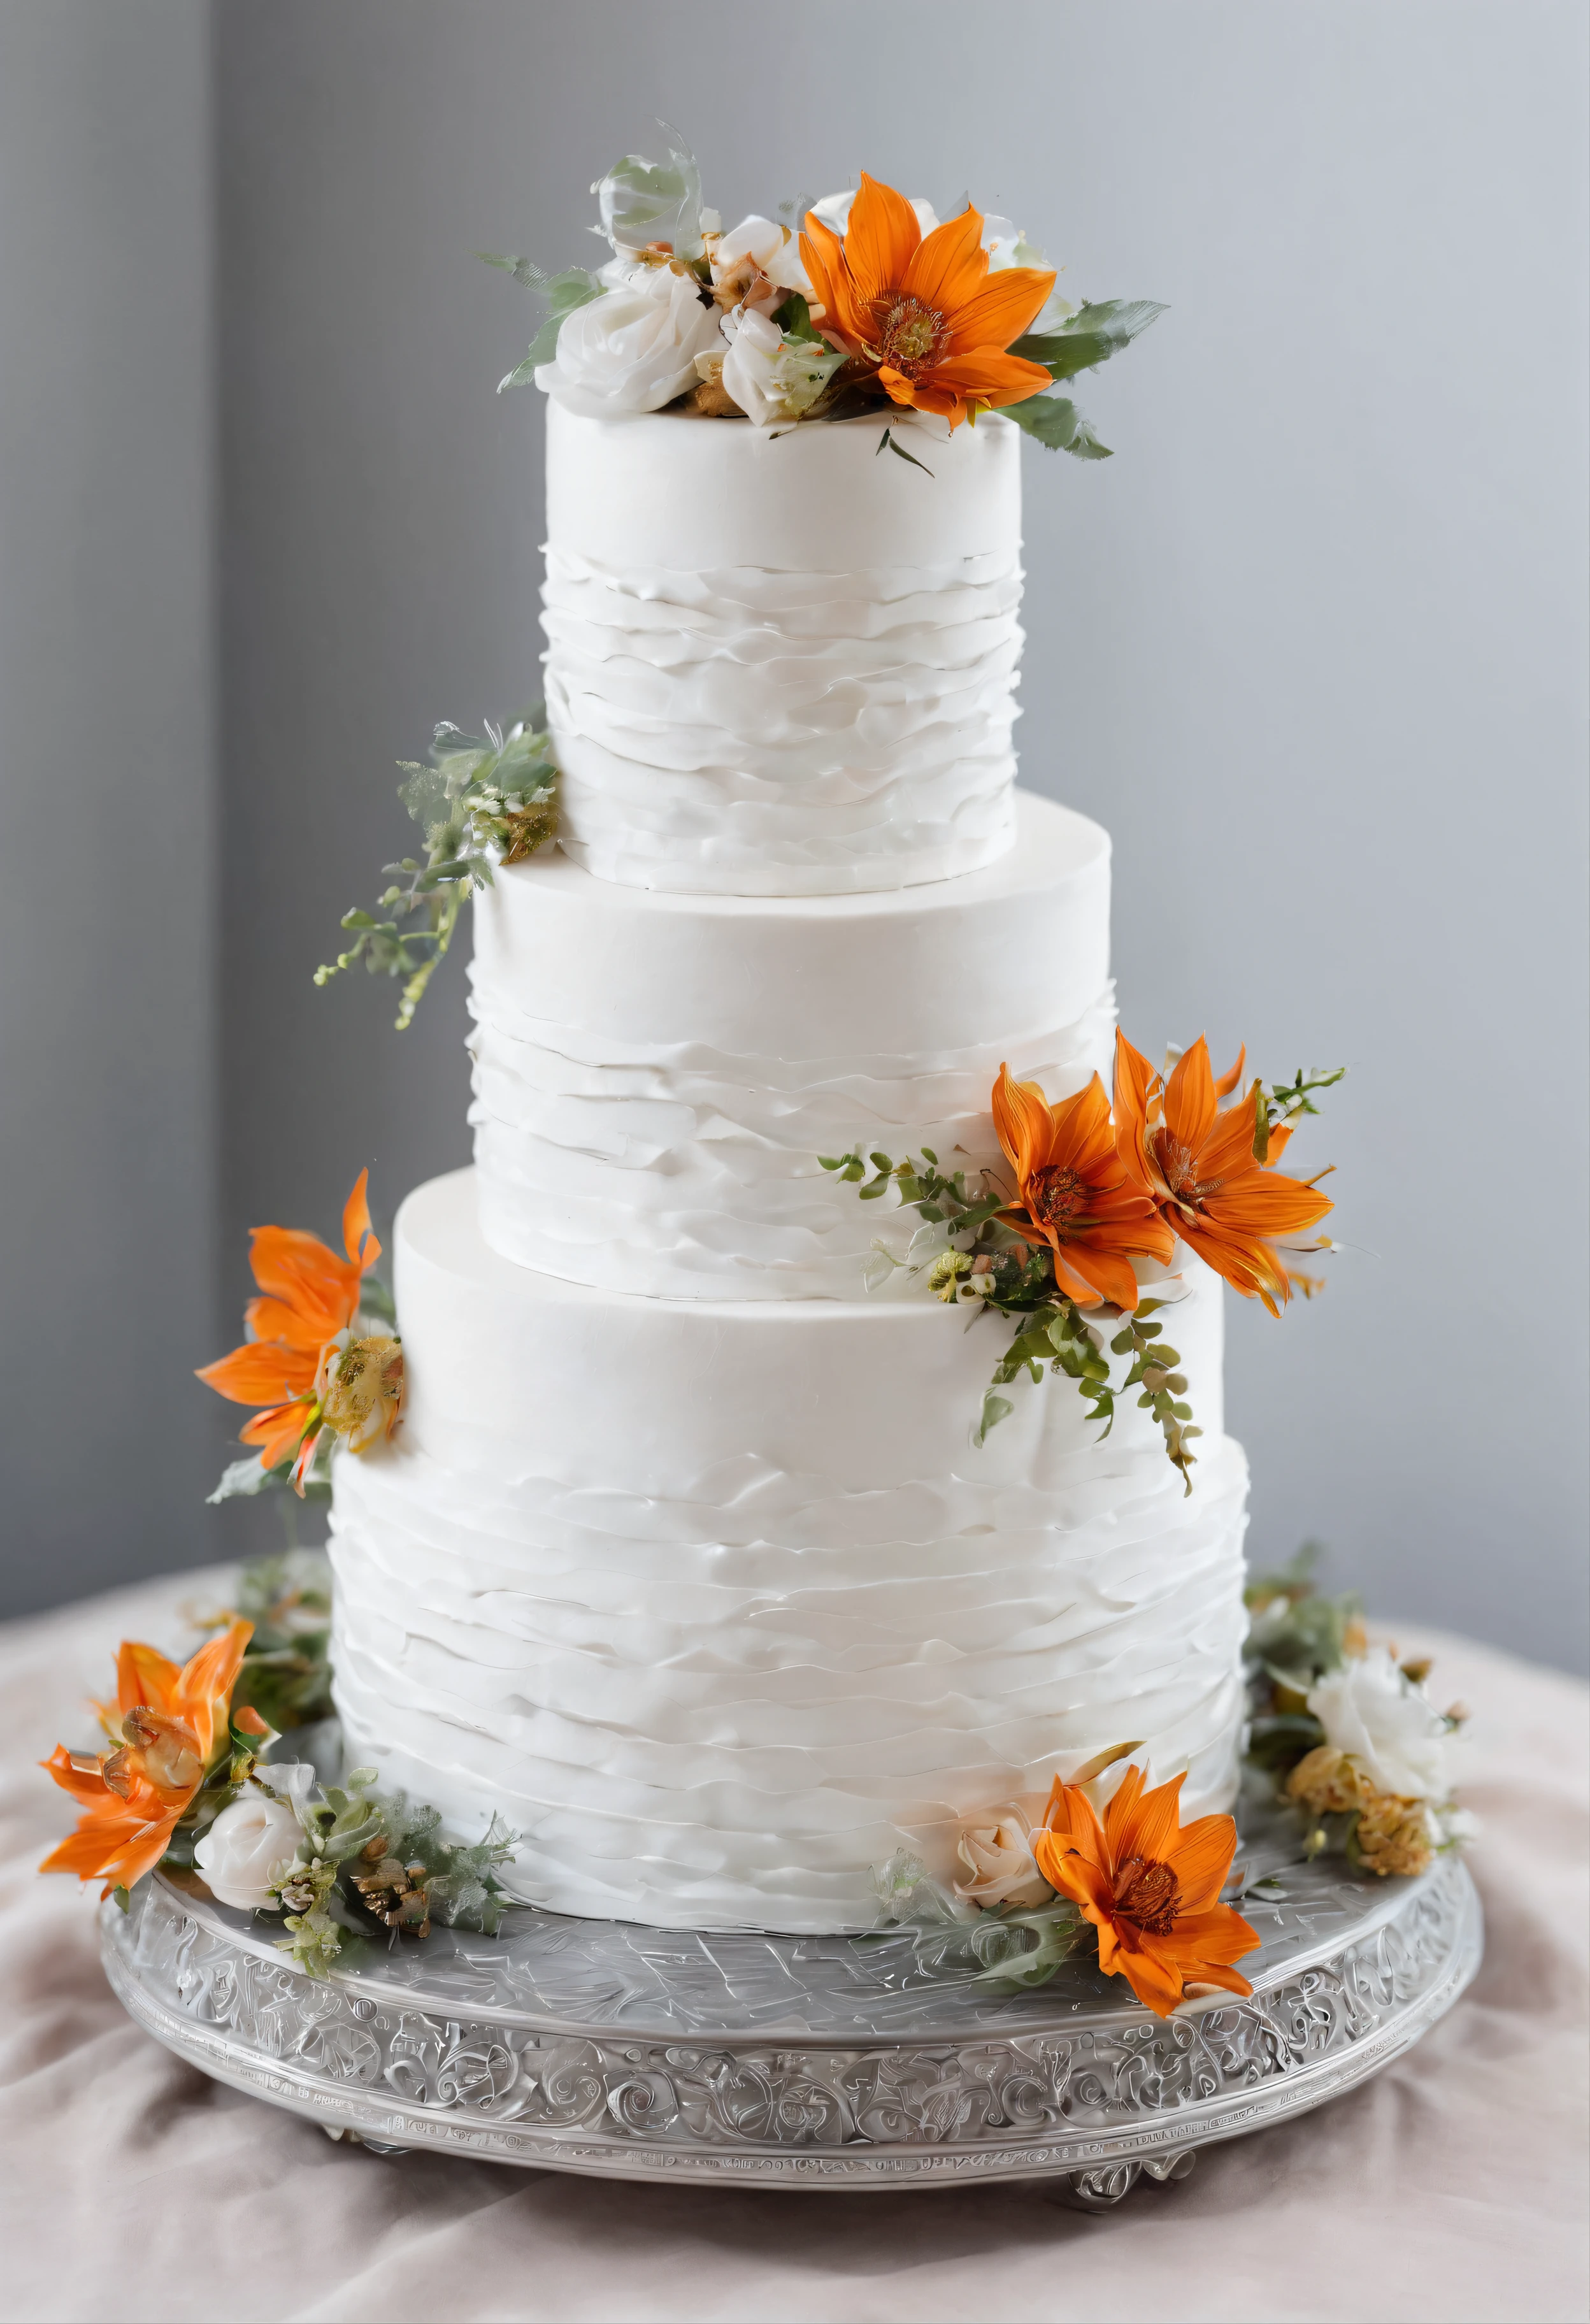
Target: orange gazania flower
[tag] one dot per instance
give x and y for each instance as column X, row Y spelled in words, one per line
column 924, row 317
column 1197, row 1166
column 1151, row 1885
column 1074, row 1193
column 310, row 1297
column 167, row 1728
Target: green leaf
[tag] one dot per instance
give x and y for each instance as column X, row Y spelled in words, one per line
column 1261, row 1125
column 901, row 453
column 1055, row 422
column 794, row 319
column 241, row 1478
column 996, row 1408
column 425, row 793
column 573, row 288
column 1089, row 336
column 643, row 201
column 524, row 271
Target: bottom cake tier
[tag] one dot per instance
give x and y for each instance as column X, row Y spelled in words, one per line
column 719, row 1605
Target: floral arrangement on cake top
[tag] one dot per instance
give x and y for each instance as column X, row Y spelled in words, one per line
column 321, row 1357
column 1090, row 1208
column 183, row 1782
column 868, row 304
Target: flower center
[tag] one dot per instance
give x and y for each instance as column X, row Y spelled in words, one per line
column 1057, row 1195
column 1177, row 1168
column 1147, row 1893
column 909, row 334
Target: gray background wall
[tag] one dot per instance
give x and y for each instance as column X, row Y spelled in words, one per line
column 1312, row 646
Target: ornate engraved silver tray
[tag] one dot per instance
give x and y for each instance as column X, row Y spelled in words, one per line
column 803, row 2061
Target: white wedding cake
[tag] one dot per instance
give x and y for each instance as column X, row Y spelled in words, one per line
column 690, row 1559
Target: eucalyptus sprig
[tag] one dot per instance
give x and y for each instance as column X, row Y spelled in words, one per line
column 483, row 801
column 986, row 1265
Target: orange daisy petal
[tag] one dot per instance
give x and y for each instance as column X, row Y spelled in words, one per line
column 824, row 255
column 358, row 1240
column 1202, row 1861
column 262, row 1371
column 949, row 267
column 1157, row 1982
column 1000, row 309
column 985, row 376
column 881, row 237
column 1190, row 1097
column 1210, row 1939
column 143, row 1675
column 1228, row 1082
column 1141, row 1822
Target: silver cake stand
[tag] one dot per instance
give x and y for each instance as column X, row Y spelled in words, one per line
column 803, row 2061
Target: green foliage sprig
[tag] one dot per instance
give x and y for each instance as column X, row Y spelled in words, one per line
column 1295, row 1636
column 286, row 1675
column 1285, row 1101
column 1011, row 1947
column 986, row 1265
column 362, row 1847
column 1080, row 343
column 483, row 801
column 369, row 1863
column 575, row 287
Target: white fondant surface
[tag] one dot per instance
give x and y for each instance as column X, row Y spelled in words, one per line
column 719, row 1604
column 780, row 666
column 657, row 1074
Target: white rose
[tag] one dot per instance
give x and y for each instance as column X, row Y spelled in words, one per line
column 834, row 210
column 1389, row 1726
column 772, row 378
column 247, row 1848
column 633, row 349
column 999, row 1858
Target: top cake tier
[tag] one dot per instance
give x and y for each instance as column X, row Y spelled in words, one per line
column 781, row 665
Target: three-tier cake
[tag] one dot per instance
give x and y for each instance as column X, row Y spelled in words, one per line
column 690, row 1558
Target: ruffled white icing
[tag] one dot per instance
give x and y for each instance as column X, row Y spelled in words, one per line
column 612, row 1150
column 719, row 1605
column 780, row 667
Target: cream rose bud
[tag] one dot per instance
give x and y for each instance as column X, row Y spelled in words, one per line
column 1368, row 1709
column 758, row 251
column 771, row 377
column 634, row 348
column 999, row 1857
column 249, row 1845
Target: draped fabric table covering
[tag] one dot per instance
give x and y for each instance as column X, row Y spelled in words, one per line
column 1452, row 2187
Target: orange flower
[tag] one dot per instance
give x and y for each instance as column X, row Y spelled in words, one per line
column 1199, row 1168
column 310, row 1297
column 1150, row 1886
column 924, row 317
column 1073, row 1191
column 167, row 1728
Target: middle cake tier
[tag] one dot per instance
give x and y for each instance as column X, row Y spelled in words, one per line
column 656, row 1076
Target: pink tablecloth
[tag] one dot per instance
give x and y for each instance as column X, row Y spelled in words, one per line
column 1452, row 2187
